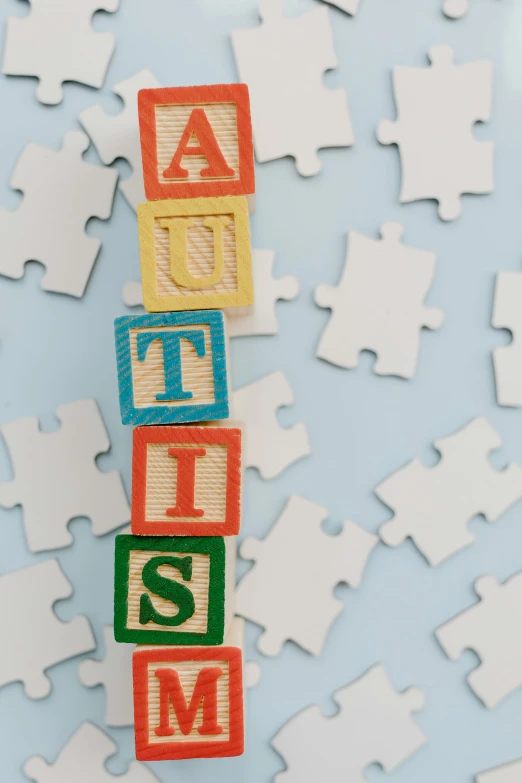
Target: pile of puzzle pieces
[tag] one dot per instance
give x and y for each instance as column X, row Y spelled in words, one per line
column 175, row 572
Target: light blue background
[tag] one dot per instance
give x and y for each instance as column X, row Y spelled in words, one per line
column 55, row 349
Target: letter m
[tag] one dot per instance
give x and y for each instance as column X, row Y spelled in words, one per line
column 204, row 693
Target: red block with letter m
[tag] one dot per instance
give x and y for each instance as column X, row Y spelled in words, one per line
column 188, row 702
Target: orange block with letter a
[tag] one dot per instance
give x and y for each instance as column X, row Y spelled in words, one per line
column 196, row 141
column 188, row 702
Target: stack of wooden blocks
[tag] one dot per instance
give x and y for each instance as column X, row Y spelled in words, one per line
column 174, row 576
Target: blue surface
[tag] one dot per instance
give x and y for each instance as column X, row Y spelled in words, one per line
column 55, row 349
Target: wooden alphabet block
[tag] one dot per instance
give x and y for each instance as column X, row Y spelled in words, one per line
column 196, row 141
column 186, row 481
column 188, row 702
column 195, row 253
column 173, row 590
column 172, row 367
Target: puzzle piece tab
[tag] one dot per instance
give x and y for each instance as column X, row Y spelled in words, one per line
column 492, row 629
column 56, row 478
column 437, row 108
column 61, row 193
column 507, row 359
column 433, row 506
column 34, row 638
column 289, row 590
column 82, row 760
column 293, row 113
column 114, row 672
column 510, row 773
column 268, row 447
column 261, row 317
column 379, row 304
column 455, row 9
column 374, row 725
column 56, row 43
column 118, row 136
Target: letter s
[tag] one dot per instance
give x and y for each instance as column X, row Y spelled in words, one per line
column 169, row 590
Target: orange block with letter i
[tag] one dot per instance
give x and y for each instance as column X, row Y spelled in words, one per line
column 196, row 141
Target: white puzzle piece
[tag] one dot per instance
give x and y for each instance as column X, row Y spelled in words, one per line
column 455, row 9
column 437, row 108
column 35, row 638
column 493, row 630
column 510, row 773
column 132, row 294
column 56, row 478
column 118, row 136
column 82, row 760
column 507, row 359
column 374, row 725
column 283, row 62
column 434, row 505
column 379, row 304
column 56, row 43
column 61, row 193
column 251, row 674
column 261, row 317
column 114, row 672
column 268, row 447
column 279, row 593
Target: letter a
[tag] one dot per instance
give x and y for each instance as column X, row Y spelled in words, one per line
column 171, row 692
column 199, row 126
column 186, row 482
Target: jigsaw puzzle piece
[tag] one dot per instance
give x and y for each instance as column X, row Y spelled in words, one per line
column 268, row 447
column 132, row 294
column 490, row 629
column 37, row 639
column 507, row 359
column 261, row 317
column 83, row 760
column 433, row 506
column 292, row 111
column 437, row 108
column 61, row 193
column 117, row 135
column 350, row 6
column 279, row 594
column 510, row 773
column 455, row 9
column 114, row 672
column 379, row 304
column 56, row 43
column 374, row 725
column 56, row 478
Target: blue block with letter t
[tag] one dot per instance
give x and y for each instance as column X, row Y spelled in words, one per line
column 172, row 367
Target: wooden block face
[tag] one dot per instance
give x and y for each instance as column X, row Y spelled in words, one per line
column 172, row 367
column 169, row 590
column 186, row 481
column 195, row 254
column 188, row 703
column 196, row 141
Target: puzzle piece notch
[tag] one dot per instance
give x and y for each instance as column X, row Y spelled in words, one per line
column 509, row 773
column 117, row 135
column 491, row 630
column 507, row 359
column 83, row 760
column 433, row 506
column 379, row 304
column 56, row 43
column 114, row 672
column 297, row 565
column 56, row 478
column 293, row 113
column 261, row 317
column 437, row 108
column 350, row 6
column 374, row 725
column 268, row 447
column 61, row 193
column 37, row 639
